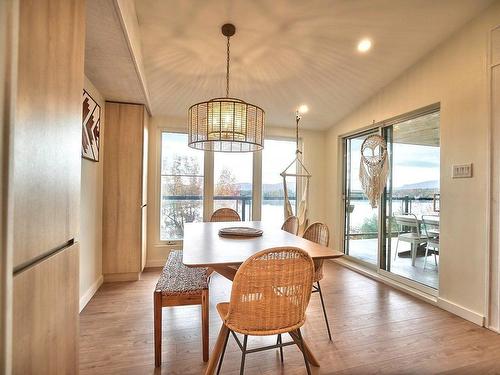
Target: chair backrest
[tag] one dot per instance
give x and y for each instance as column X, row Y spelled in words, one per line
column 271, row 291
column 291, row 225
column 407, row 220
column 317, row 232
column 431, row 225
column 225, row 214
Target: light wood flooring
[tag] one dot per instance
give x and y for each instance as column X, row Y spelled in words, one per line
column 376, row 329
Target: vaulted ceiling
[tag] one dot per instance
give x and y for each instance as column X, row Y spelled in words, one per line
column 288, row 52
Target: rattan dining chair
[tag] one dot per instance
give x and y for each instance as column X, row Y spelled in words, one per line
column 225, row 214
column 269, row 296
column 319, row 233
column 291, row 225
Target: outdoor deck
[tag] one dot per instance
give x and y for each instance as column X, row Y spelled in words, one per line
column 366, row 250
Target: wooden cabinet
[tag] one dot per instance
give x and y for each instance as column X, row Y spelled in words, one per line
column 124, row 203
column 47, row 132
column 45, row 320
column 45, row 155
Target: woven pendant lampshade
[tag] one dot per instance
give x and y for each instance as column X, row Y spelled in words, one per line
column 226, row 124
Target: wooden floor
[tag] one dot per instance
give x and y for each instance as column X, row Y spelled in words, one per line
column 376, row 329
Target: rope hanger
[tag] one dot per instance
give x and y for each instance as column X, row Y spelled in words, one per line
column 297, row 153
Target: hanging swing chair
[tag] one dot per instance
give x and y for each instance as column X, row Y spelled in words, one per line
column 300, row 171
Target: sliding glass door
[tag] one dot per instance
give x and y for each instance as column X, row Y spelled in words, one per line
column 361, row 220
column 400, row 238
column 411, row 233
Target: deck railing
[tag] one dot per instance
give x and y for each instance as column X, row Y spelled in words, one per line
column 242, row 202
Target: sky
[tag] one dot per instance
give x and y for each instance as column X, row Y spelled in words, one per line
column 411, row 164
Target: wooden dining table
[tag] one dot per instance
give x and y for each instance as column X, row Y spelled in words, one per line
column 203, row 247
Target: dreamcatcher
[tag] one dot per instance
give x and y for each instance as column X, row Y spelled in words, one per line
column 373, row 167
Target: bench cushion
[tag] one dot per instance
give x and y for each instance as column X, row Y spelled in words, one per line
column 178, row 279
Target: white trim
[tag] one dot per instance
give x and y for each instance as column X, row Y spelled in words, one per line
column 87, row 296
column 461, row 311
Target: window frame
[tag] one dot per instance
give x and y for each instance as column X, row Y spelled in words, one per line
column 208, row 183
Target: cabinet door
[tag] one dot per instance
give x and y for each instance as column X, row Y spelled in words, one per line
column 45, row 316
column 47, row 130
column 122, row 198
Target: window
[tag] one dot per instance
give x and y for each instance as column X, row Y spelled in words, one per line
column 181, row 186
column 233, row 176
column 276, row 156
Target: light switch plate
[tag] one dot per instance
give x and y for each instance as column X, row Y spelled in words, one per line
column 462, row 171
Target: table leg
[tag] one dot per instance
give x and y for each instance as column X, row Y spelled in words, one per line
column 226, row 271
column 309, row 355
column 214, row 357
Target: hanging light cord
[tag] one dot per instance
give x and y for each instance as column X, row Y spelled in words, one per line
column 227, row 69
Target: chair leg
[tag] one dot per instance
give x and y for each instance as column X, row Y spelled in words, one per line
column 243, row 354
column 426, row 253
column 324, row 311
column 157, row 327
column 396, row 252
column 299, row 334
column 223, row 352
column 435, row 258
column 204, row 323
column 279, row 342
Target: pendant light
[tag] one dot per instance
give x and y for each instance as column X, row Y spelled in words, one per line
column 226, row 124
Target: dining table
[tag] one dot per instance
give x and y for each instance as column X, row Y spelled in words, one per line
column 203, row 247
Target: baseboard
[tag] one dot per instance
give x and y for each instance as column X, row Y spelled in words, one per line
column 461, row 311
column 126, row 276
column 87, row 296
column 153, row 263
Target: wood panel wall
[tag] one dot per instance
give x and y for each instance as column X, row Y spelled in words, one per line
column 123, row 186
column 47, row 137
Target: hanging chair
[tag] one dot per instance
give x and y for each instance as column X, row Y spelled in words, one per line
column 304, row 173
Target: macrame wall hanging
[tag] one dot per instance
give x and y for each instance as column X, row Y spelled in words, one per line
column 300, row 171
column 373, row 167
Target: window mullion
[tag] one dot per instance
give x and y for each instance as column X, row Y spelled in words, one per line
column 208, row 187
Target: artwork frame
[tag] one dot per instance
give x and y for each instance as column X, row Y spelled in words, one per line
column 91, row 127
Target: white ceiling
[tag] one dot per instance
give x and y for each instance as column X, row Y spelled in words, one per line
column 108, row 62
column 288, row 52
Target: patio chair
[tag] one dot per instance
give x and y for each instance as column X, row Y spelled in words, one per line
column 269, row 296
column 411, row 235
column 431, row 229
column 291, row 225
column 225, row 214
column 319, row 233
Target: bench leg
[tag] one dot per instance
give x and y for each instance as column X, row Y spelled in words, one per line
column 204, row 323
column 157, row 327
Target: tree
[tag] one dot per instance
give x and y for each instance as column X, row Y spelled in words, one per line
column 182, row 196
column 226, row 184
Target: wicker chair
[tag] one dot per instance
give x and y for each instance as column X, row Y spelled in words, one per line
column 291, row 225
column 319, row 233
column 225, row 214
column 269, row 296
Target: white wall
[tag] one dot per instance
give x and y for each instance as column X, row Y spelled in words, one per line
column 455, row 74
column 91, row 215
column 313, row 143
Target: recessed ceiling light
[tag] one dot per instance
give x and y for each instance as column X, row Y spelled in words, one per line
column 364, row 45
column 303, row 108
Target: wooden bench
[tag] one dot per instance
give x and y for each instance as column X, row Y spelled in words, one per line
column 179, row 286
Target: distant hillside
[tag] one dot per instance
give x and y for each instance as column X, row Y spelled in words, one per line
column 433, row 184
